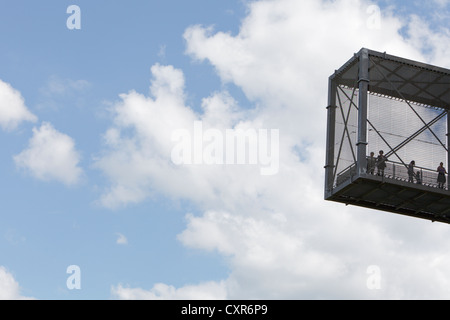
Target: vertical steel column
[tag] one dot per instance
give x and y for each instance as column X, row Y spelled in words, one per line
column 331, row 131
column 363, row 83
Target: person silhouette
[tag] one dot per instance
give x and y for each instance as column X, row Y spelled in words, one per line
column 371, row 163
column 419, row 177
column 381, row 163
column 441, row 179
column 411, row 171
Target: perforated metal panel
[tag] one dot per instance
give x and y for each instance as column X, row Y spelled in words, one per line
column 407, row 132
column 346, row 134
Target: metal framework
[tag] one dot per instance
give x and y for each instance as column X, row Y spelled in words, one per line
column 383, row 102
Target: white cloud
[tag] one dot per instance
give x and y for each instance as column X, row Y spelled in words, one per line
column 12, row 108
column 61, row 87
column 280, row 239
column 58, row 92
column 321, row 255
column 9, row 288
column 441, row 3
column 51, row 155
column 139, row 146
column 121, row 239
column 204, row 291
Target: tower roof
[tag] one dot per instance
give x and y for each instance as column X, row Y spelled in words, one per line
column 400, row 78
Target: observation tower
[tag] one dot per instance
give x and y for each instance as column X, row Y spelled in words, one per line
column 379, row 102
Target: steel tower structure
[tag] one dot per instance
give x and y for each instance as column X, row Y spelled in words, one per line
column 380, row 102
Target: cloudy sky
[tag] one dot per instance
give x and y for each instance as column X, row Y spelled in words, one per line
column 101, row 106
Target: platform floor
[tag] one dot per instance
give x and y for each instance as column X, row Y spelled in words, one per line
column 396, row 196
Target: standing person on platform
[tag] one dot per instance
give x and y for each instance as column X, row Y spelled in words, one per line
column 411, row 171
column 441, row 180
column 371, row 163
column 381, row 163
column 419, row 177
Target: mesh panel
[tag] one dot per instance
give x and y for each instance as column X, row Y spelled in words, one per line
column 345, row 135
column 401, row 129
column 397, row 122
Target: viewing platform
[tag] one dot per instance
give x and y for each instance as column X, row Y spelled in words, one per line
column 379, row 102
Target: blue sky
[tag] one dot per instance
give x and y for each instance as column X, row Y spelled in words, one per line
column 46, row 227
column 214, row 231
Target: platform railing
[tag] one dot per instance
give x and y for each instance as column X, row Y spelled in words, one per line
column 424, row 176
column 396, row 171
column 346, row 174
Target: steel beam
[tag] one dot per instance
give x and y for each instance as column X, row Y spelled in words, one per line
column 363, row 83
column 331, row 136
